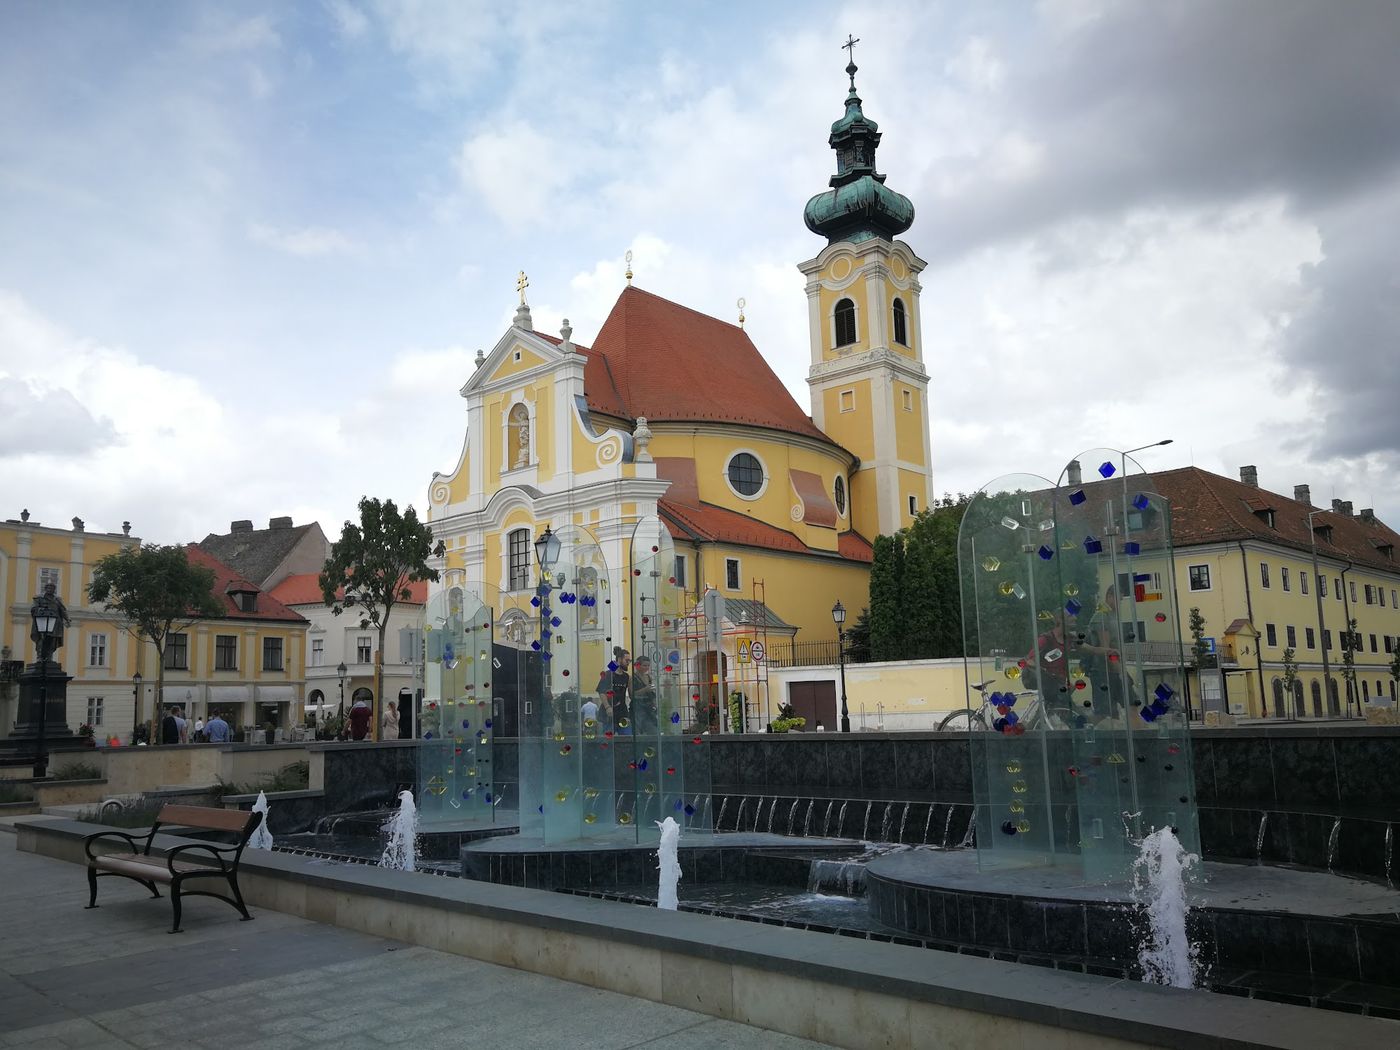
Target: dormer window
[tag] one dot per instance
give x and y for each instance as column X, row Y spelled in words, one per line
column 244, row 600
column 901, row 324
column 1266, row 516
column 845, row 323
column 1323, row 532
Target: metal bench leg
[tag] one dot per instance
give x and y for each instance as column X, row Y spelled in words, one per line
column 92, row 887
column 175, row 903
column 238, row 900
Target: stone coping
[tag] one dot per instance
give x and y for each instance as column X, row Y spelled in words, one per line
column 1100, row 1008
column 272, row 796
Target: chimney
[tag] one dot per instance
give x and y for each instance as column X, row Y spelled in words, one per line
column 1368, row 515
column 1346, row 508
column 1337, row 507
column 1302, row 494
column 1073, row 473
column 279, row 523
column 126, row 528
column 1250, row 476
column 246, row 525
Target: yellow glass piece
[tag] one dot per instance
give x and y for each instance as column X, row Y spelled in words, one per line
column 558, row 736
column 590, row 792
column 1013, row 672
column 1013, row 767
column 1102, row 607
column 436, row 785
column 471, row 772
column 991, row 563
column 624, row 818
column 622, row 723
column 1045, row 616
column 450, row 769
column 1071, row 589
column 1016, row 807
column 649, row 752
column 590, row 818
column 561, row 796
column 1023, row 826
column 1019, row 787
column 483, row 654
column 1006, row 586
column 1115, row 759
column 566, row 749
column 589, row 723
column 590, row 736
column 649, row 789
column 1077, row 674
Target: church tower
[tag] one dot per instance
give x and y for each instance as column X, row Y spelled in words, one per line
column 868, row 382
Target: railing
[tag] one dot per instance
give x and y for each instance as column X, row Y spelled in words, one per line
column 808, row 654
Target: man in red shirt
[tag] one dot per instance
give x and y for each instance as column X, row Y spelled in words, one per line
column 359, row 720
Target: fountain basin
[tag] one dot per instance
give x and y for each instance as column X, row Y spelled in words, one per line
column 1328, row 929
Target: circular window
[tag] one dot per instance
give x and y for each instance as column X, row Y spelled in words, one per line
column 839, row 491
column 746, row 474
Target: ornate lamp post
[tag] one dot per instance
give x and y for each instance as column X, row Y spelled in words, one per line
column 135, row 704
column 838, row 616
column 546, row 554
column 340, row 670
column 45, row 620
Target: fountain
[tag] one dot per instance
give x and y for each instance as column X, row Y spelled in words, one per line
column 261, row 837
column 668, row 861
column 401, row 830
column 1160, row 875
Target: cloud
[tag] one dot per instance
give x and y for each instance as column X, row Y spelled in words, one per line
column 36, row 421
column 350, row 21
column 306, row 242
column 222, row 35
column 516, row 172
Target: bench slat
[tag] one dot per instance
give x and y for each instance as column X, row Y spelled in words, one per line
column 204, row 817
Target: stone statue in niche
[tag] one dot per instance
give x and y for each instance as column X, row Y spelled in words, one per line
column 519, row 437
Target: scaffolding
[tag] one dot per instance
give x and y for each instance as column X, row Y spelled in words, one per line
column 724, row 654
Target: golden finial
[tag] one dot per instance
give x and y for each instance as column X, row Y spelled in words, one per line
column 628, row 257
column 521, row 283
column 741, row 304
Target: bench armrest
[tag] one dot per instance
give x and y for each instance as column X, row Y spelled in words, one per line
column 213, row 850
column 131, row 841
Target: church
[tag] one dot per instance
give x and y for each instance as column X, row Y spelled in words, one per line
column 673, row 414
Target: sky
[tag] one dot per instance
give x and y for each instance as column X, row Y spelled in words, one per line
column 248, row 251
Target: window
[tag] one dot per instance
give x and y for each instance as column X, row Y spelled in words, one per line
column 94, row 711
column 272, row 654
column 746, row 474
column 679, row 571
column 913, row 505
column 226, row 652
column 46, row 577
column 1352, row 588
column 1284, row 578
column 1385, row 642
column 364, row 649
column 1264, row 574
column 901, row 325
column 908, row 400
column 1326, row 639
column 1373, row 643
column 318, row 652
column 1310, row 636
column 519, row 558
column 1134, row 631
column 1271, row 635
column 845, row 323
column 838, row 491
column 1317, row 699
column 1322, row 585
column 245, row 601
column 1370, row 595
column 410, row 645
column 1303, row 582
column 1380, row 596
column 1337, row 587
column 731, row 573
column 1394, row 601
column 97, row 650
column 1200, row 577
column 848, row 400
column 1291, row 633
column 177, row 652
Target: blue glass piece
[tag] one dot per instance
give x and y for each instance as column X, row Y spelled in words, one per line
column 535, row 601
column 1142, row 577
column 487, row 723
column 1009, row 699
column 612, row 665
column 1132, row 547
column 1008, row 828
column 675, row 718
column 1092, row 545
column 1073, row 607
column 677, row 806
column 488, row 796
column 466, row 724
column 999, row 724
column 1077, row 497
column 1163, row 692
column 1107, row 469
column 535, row 646
column 1046, row 552
column 689, row 810
column 1148, row 715
column 467, row 793
column 1141, row 502
column 546, row 656
column 554, row 621
column 1012, row 718
column 994, row 699
column 642, row 765
column 428, row 735
column 541, row 808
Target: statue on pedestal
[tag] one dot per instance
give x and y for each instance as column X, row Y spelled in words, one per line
column 49, row 602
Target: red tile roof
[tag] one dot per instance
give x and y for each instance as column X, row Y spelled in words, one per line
column 227, row 582
column 305, row 589
column 1209, row 508
column 709, row 523
column 664, row 361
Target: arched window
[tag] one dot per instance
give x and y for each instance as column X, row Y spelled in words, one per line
column 1298, row 699
column 901, row 324
column 845, row 323
column 745, row 473
column 518, row 434
column 838, row 490
column 1278, row 698
column 1365, row 691
column 518, row 556
column 1317, row 699
column 1334, row 706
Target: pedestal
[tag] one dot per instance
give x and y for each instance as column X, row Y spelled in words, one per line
column 37, row 681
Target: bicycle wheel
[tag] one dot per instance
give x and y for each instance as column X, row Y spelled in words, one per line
column 960, row 722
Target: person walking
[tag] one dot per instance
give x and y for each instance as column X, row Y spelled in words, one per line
column 389, row 727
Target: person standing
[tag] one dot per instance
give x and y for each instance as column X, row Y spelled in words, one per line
column 199, row 736
column 359, row 720
column 183, row 725
column 389, row 728
column 218, row 730
column 643, row 693
column 169, row 728
column 618, row 687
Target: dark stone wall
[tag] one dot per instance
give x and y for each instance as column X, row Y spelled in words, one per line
column 367, row 776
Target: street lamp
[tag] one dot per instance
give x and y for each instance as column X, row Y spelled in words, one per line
column 838, row 616
column 340, row 670
column 546, row 554
column 1321, row 622
column 135, row 704
column 45, row 618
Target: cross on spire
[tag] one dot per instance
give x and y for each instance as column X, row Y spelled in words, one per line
column 850, row 48
column 521, row 283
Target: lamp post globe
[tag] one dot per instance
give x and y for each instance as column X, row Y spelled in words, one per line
column 838, row 617
column 45, row 619
column 135, row 704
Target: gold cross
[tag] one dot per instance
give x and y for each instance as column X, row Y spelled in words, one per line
column 521, row 283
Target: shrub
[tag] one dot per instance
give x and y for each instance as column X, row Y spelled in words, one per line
column 79, row 771
column 293, row 777
column 15, row 792
column 138, row 814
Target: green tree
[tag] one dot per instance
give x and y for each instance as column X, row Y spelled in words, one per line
column 158, row 594
column 370, row 570
column 1350, row 644
column 1395, row 670
column 886, row 597
column 1290, row 676
column 915, row 597
column 858, row 639
column 1199, row 652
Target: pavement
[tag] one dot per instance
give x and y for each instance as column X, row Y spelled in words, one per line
column 114, row 977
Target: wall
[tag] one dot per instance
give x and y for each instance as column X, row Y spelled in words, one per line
column 131, row 770
column 915, row 694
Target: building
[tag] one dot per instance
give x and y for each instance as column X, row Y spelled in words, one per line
column 334, row 640
column 675, row 414
column 97, row 652
column 1272, row 573
column 268, row 556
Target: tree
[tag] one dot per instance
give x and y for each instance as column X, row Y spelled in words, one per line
column 858, row 639
column 1350, row 643
column 1199, row 653
column 1290, row 676
column 915, row 597
column 158, row 593
column 1395, row 670
column 886, row 598
column 371, row 568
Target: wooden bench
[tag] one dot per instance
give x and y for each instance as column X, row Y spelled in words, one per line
column 176, row 868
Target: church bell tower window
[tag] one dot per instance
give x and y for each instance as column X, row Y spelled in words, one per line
column 901, row 324
column 845, row 323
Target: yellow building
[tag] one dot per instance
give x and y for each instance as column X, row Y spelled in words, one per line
column 675, row 414
column 1271, row 573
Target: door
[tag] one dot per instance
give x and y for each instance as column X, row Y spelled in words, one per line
column 816, row 702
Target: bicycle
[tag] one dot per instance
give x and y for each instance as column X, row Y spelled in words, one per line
column 984, row 717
